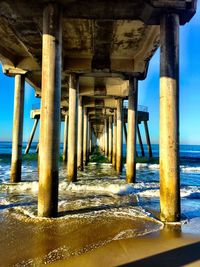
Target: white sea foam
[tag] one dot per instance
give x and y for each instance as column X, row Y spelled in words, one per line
column 142, row 189
column 29, row 213
column 20, row 187
column 192, row 192
column 189, row 169
column 108, row 188
column 102, row 164
column 143, row 221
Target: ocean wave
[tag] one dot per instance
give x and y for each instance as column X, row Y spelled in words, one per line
column 147, row 165
column 190, row 169
column 28, row 213
column 183, row 168
column 143, row 189
column 20, row 187
column 190, row 192
column 104, row 226
column 189, row 151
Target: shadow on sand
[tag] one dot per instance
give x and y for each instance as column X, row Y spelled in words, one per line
column 173, row 258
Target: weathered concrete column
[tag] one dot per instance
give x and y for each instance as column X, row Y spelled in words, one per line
column 119, row 136
column 18, row 118
column 50, row 111
column 101, row 142
column 85, row 136
column 140, row 141
column 93, row 140
column 110, row 139
column 88, row 141
column 148, row 139
column 31, row 136
column 169, row 119
column 72, row 129
column 106, row 137
column 114, row 139
column 90, row 138
column 80, row 134
column 65, row 140
column 132, row 129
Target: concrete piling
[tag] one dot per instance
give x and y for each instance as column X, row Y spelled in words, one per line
column 148, row 139
column 85, row 136
column 89, row 139
column 72, row 130
column 16, row 161
column 65, row 140
column 140, row 141
column 114, row 139
column 119, row 136
column 132, row 128
column 110, row 139
column 80, row 135
column 169, row 119
column 50, row 111
column 106, row 137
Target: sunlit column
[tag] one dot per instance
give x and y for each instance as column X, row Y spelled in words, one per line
column 169, row 118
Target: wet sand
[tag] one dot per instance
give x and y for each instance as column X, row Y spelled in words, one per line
column 26, row 241
column 101, row 238
column 169, row 247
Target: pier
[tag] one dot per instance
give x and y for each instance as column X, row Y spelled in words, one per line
column 84, row 60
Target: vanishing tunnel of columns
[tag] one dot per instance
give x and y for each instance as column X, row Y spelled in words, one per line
column 84, row 130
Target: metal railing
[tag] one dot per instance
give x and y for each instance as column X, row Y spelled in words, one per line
column 143, row 108
column 125, row 105
column 140, row 108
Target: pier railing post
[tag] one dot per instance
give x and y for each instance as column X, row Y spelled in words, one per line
column 72, row 129
column 119, row 136
column 18, row 118
column 50, row 111
column 80, row 135
column 132, row 128
column 169, row 119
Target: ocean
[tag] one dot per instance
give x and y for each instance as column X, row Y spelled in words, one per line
column 100, row 197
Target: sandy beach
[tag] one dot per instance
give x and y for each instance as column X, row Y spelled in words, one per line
column 169, row 247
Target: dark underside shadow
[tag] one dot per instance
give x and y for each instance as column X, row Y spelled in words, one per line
column 172, row 258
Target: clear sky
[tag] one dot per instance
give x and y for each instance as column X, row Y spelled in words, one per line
column 148, row 92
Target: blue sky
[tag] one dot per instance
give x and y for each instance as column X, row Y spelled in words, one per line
column 148, row 92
